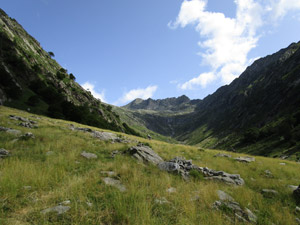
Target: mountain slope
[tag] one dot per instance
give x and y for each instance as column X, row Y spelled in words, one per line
column 258, row 112
column 32, row 80
column 45, row 172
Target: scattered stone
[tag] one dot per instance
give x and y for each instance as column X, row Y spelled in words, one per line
column 282, row 164
column 109, row 173
column 269, row 193
column 10, row 130
column 297, row 220
column 222, row 176
column 296, row 194
column 116, row 152
column 89, row 204
column 144, row 154
column 115, row 183
column 171, row 190
column 224, row 196
column 297, row 209
column 27, row 187
column 67, row 202
column 27, row 136
column 195, row 198
column 4, row 153
column 28, row 125
column 161, row 201
column 284, row 157
column 49, row 153
column 181, row 166
column 222, row 155
column 245, row 159
column 292, row 187
column 226, row 201
column 89, row 155
column 58, row 209
column 268, row 173
column 101, row 135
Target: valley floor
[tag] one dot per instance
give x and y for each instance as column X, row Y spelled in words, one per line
column 49, row 170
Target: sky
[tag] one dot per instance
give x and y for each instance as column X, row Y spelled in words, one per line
column 126, row 49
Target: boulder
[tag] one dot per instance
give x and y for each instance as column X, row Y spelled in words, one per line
column 10, row 130
column 145, row 154
column 89, row 155
column 245, row 159
column 292, row 187
column 222, row 176
column 222, row 155
column 115, row 183
column 4, row 153
column 227, row 202
column 269, row 193
column 57, row 209
column 27, row 136
column 28, row 125
column 296, row 194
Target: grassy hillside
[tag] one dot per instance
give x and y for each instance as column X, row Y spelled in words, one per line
column 48, row 170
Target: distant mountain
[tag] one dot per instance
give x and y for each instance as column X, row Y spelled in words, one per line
column 30, row 79
column 180, row 104
column 259, row 112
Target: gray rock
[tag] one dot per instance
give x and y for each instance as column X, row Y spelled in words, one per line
column 89, row 204
column 245, row 159
column 58, row 209
column 161, row 201
column 297, row 220
column 297, row 209
column 169, row 166
column 10, row 130
column 224, row 196
column 171, row 190
column 226, row 201
column 222, row 155
column 49, row 153
column 115, row 183
column 4, row 153
column 89, row 155
column 292, row 187
column 114, row 153
column 67, row 202
column 144, row 154
column 27, row 136
column 269, row 193
column 282, row 164
column 222, row 176
column 296, row 194
column 108, row 173
column 28, row 125
column 268, row 173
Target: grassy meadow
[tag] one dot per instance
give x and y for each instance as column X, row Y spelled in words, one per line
column 52, row 166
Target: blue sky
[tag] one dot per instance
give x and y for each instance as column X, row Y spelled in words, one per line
column 121, row 50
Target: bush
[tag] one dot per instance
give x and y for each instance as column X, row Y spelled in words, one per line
column 33, row 100
column 72, row 77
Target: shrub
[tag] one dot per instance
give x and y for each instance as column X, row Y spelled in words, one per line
column 72, row 77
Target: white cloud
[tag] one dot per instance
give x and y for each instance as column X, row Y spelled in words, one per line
column 137, row 93
column 91, row 87
column 226, row 42
column 202, row 80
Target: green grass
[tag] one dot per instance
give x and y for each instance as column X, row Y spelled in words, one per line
column 65, row 175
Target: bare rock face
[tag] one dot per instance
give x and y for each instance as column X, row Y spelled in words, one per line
column 144, row 154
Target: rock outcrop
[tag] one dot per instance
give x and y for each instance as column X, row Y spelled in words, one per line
column 4, row 153
column 144, row 153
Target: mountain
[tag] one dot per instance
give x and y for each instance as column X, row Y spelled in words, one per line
column 258, row 113
column 31, row 79
column 180, row 104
